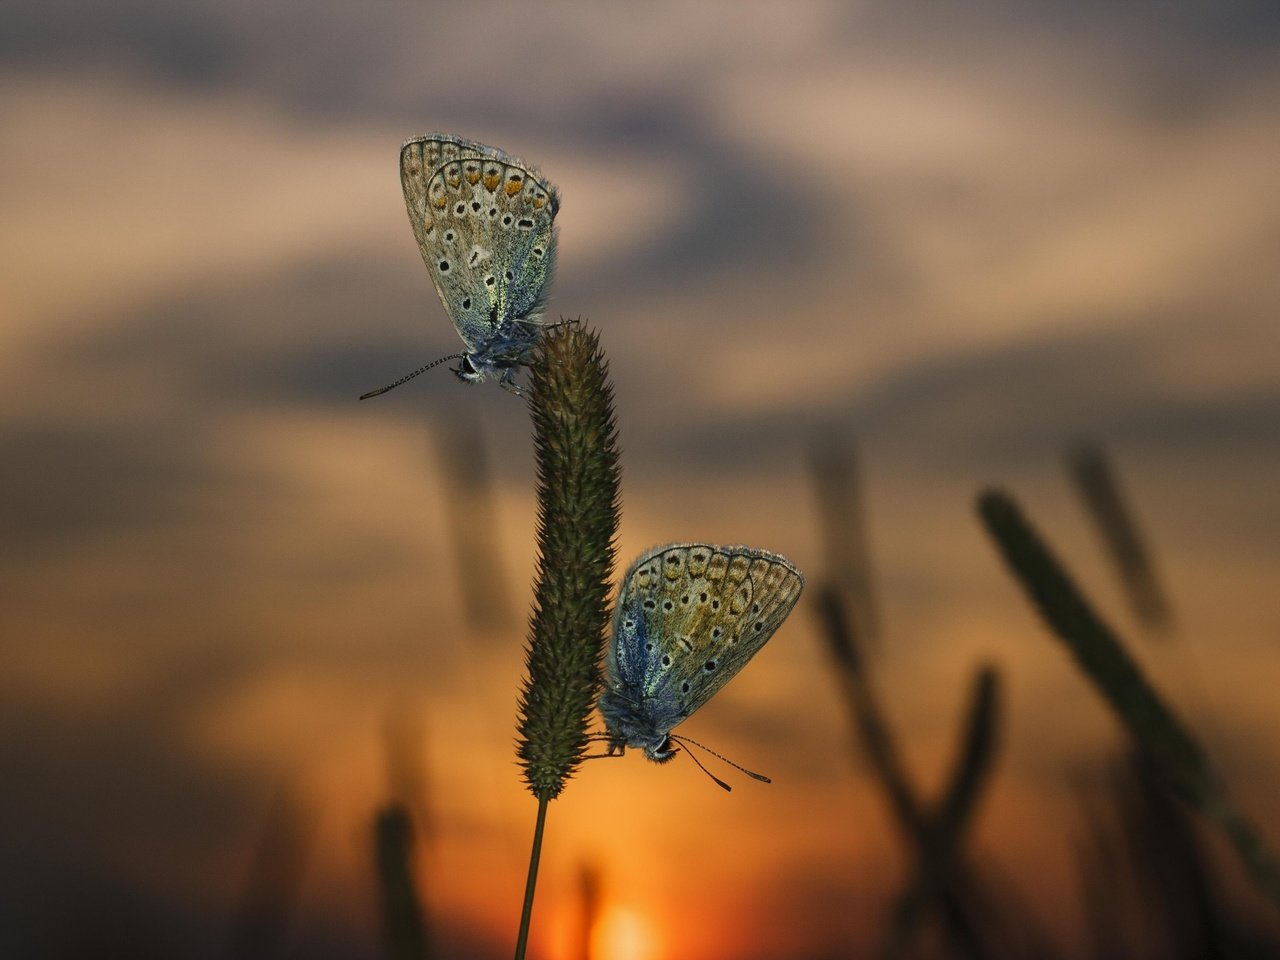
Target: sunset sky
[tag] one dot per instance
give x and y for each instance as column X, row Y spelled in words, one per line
column 960, row 239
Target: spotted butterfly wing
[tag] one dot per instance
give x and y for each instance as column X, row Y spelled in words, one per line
column 688, row 618
column 484, row 222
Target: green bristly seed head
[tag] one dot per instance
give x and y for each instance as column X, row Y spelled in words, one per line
column 575, row 445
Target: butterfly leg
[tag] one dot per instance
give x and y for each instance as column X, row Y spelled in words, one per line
column 508, row 383
column 615, row 748
column 548, row 325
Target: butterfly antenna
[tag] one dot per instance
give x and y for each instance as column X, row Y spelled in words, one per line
column 718, row 781
column 753, row 775
column 409, row 376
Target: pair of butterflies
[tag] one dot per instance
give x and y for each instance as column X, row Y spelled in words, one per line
column 689, row 615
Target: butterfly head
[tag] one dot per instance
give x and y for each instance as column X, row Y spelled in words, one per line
column 477, row 367
column 472, row 369
column 660, row 750
column 630, row 725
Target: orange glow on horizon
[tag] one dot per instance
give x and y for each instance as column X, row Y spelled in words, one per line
column 250, row 611
column 624, row 934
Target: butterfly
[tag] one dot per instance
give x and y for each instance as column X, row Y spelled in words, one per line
column 688, row 617
column 485, row 225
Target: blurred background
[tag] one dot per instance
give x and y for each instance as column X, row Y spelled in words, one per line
column 851, row 263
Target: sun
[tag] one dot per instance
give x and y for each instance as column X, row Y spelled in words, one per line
column 623, row 934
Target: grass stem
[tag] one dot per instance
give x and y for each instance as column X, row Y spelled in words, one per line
column 535, row 856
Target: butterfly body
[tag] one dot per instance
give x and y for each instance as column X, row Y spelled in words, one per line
column 485, row 226
column 688, row 618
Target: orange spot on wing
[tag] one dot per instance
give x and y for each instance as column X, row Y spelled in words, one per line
column 539, row 202
column 491, row 182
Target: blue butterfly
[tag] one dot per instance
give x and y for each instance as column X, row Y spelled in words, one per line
column 485, row 225
column 688, row 617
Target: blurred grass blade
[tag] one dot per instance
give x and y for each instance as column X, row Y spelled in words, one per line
column 938, row 854
column 959, row 902
column 1171, row 864
column 1095, row 646
column 1117, row 678
column 843, row 526
column 974, row 763
column 472, row 517
column 589, row 895
column 1104, row 899
column 865, row 713
column 407, row 780
column 1099, row 488
column 403, row 928
column 275, row 874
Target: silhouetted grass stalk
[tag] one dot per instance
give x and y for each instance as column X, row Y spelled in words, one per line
column 404, row 929
column 845, row 648
column 1099, row 488
column 1105, row 662
column 843, row 522
column 575, row 445
column 933, row 835
column 938, row 857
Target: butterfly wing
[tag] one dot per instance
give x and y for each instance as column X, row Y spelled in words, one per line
column 484, row 222
column 688, row 618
